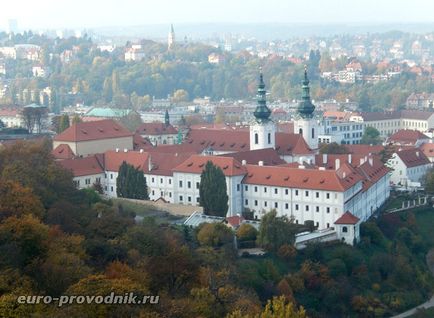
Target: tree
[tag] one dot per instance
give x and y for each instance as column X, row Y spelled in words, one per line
column 29, row 118
column 180, row 95
column 131, row 183
column 214, row 234
column 278, row 307
column 16, row 200
column 371, row 136
column 275, row 231
column 429, row 181
column 333, row 148
column 212, row 191
column 63, row 123
column 246, row 232
column 131, row 121
column 76, row 119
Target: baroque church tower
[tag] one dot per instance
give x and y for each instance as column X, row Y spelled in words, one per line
column 171, row 39
column 263, row 129
column 305, row 124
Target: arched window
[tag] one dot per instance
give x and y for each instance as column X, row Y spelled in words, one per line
column 300, row 131
column 344, row 229
column 313, row 133
column 256, row 139
column 269, row 138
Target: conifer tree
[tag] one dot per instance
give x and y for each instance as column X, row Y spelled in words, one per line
column 213, row 191
column 131, row 183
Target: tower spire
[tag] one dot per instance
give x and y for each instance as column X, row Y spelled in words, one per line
column 262, row 112
column 306, row 108
column 166, row 118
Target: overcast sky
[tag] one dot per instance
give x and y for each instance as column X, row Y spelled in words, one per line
column 37, row 14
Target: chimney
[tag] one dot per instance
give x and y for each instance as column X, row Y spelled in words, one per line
column 344, row 175
column 371, row 161
column 149, row 163
column 417, row 154
column 301, row 167
column 322, row 168
column 324, row 158
column 141, row 150
column 117, row 149
column 350, row 158
column 125, row 150
column 243, row 162
column 260, row 163
column 337, row 164
column 362, row 161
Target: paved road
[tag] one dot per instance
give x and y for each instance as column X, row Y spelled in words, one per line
column 429, row 303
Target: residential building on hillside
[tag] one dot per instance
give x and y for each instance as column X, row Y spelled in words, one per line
column 407, row 137
column 388, row 123
column 408, row 167
column 342, row 128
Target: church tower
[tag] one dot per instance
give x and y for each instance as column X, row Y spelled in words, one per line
column 263, row 129
column 166, row 118
column 171, row 39
column 305, row 124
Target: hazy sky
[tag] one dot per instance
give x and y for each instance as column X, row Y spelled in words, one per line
column 92, row 13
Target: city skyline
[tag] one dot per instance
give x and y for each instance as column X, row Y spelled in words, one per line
column 111, row 13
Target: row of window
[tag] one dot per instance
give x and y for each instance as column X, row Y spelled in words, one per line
column 297, row 206
column 296, row 192
column 189, row 199
column 188, row 184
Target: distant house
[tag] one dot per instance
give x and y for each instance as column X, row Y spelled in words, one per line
column 158, row 133
column 408, row 166
column 95, row 137
column 407, row 137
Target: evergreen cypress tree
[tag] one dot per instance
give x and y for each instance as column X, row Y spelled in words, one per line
column 213, row 191
column 131, row 183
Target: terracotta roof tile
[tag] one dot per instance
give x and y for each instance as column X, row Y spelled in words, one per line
column 269, row 157
column 83, row 166
column 347, row 218
column 406, row 137
column 63, row 151
column 413, row 157
column 156, row 129
column 113, row 160
column 95, row 130
column 196, row 164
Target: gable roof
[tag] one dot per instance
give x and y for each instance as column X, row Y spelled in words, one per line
column 164, row 163
column 413, row 157
column 407, row 114
column 407, row 137
column 196, row 164
column 94, row 130
column 291, row 144
column 156, row 129
column 219, row 140
column 83, row 166
column 347, row 218
column 113, row 160
column 140, row 143
column 300, row 178
column 268, row 156
column 63, row 151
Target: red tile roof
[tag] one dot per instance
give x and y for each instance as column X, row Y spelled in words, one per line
column 269, row 157
column 291, row 144
column 196, row 164
column 140, row 143
column 235, row 221
column 372, row 173
column 63, row 151
column 95, row 130
column 364, row 149
column 413, row 157
column 219, row 140
column 113, row 160
column 300, row 178
column 347, row 218
column 83, row 166
column 406, row 137
column 164, row 163
column 156, row 129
